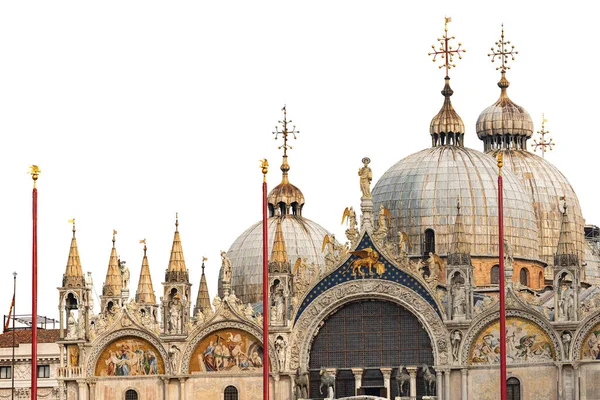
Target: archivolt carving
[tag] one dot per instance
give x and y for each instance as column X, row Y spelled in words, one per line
column 307, row 325
column 581, row 333
column 187, row 354
column 106, row 340
column 494, row 315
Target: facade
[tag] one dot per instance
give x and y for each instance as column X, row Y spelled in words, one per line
column 408, row 308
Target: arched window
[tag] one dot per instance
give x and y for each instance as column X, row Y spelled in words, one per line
column 524, row 277
column 495, row 275
column 230, row 393
column 513, row 389
column 131, row 395
column 429, row 246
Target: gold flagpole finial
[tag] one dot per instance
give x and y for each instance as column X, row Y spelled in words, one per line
column 503, row 52
column 264, row 165
column 34, row 171
column 500, row 163
column 446, row 50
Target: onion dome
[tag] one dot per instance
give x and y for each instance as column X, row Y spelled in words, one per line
column 545, row 185
column 301, row 237
column 447, row 127
column 114, row 280
column 73, row 276
column 504, row 124
column 421, row 191
column 145, row 291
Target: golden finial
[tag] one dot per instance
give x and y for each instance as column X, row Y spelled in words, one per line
column 176, row 222
column 503, row 52
column 145, row 248
column 203, row 259
column 445, row 50
column 284, row 132
column 264, row 165
column 500, row 163
column 114, row 238
column 34, row 171
column 72, row 221
column 543, row 144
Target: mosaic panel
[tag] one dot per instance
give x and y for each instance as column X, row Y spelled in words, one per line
column 129, row 356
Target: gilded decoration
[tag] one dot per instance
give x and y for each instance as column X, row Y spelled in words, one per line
column 590, row 347
column 129, row 356
column 526, row 342
column 230, row 350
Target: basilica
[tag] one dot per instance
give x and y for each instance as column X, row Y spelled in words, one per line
column 405, row 307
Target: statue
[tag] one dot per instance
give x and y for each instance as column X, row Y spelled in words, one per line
column 329, row 382
column 569, row 303
column 383, row 213
column 216, row 302
column 566, row 340
column 71, row 326
column 124, row 274
column 173, row 354
column 175, row 315
column 226, row 266
column 301, row 382
column 329, row 244
column 280, row 346
column 402, row 380
column 458, row 300
column 366, row 176
column 74, row 356
column 350, row 214
column 279, row 307
column 456, row 338
column 434, row 263
column 429, row 380
column 508, row 254
column 249, row 311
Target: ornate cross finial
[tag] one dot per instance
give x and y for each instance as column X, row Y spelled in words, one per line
column 445, row 50
column 285, row 132
column 503, row 52
column 543, row 144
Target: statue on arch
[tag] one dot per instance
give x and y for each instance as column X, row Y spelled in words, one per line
column 366, row 176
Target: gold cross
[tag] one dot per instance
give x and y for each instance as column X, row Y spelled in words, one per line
column 445, row 49
column 285, row 132
column 502, row 52
column 543, row 144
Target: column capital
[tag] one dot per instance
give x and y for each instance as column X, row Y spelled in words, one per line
column 81, row 382
column 387, row 372
column 165, row 379
column 182, row 379
column 412, row 371
column 357, row 371
column 576, row 366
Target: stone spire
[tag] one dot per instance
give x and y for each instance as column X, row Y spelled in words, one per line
column 460, row 249
column 73, row 276
column 145, row 291
column 279, row 262
column 177, row 271
column 566, row 253
column 203, row 299
column 114, row 280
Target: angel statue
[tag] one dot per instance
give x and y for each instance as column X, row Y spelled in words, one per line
column 403, row 242
column 366, row 176
column 350, row 214
column 384, row 214
column 226, row 266
column 434, row 263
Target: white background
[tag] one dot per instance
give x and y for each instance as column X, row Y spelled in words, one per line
column 136, row 110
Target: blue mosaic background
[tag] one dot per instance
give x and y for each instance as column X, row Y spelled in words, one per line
column 343, row 274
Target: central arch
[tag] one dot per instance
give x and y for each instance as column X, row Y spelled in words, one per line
column 312, row 319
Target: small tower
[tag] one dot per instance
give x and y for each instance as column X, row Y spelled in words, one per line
column 280, row 280
column 144, row 296
column 459, row 274
column 74, row 297
column 567, row 273
column 175, row 302
column 203, row 299
column 113, row 284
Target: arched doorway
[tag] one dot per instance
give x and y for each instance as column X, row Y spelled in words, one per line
column 370, row 335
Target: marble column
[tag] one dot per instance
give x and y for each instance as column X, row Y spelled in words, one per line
column 82, row 385
column 92, row 384
column 464, row 374
column 447, row 384
column 165, row 388
column 332, row 372
column 182, row 388
column 276, row 386
column 412, row 372
column 61, row 390
column 358, row 373
column 387, row 373
column 576, row 380
column 439, row 392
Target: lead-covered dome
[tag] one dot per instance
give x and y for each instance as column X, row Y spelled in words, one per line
column 546, row 185
column 421, row 192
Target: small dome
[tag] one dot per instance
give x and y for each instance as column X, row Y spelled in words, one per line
column 504, row 124
column 303, row 239
column 546, row 185
column 284, row 199
column 421, row 192
column 447, row 127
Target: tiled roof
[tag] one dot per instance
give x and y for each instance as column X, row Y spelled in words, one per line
column 24, row 336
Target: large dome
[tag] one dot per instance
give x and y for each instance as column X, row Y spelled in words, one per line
column 422, row 190
column 546, row 185
column 303, row 238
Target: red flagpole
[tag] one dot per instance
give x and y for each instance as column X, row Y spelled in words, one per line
column 34, row 174
column 501, row 284
column 264, row 167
